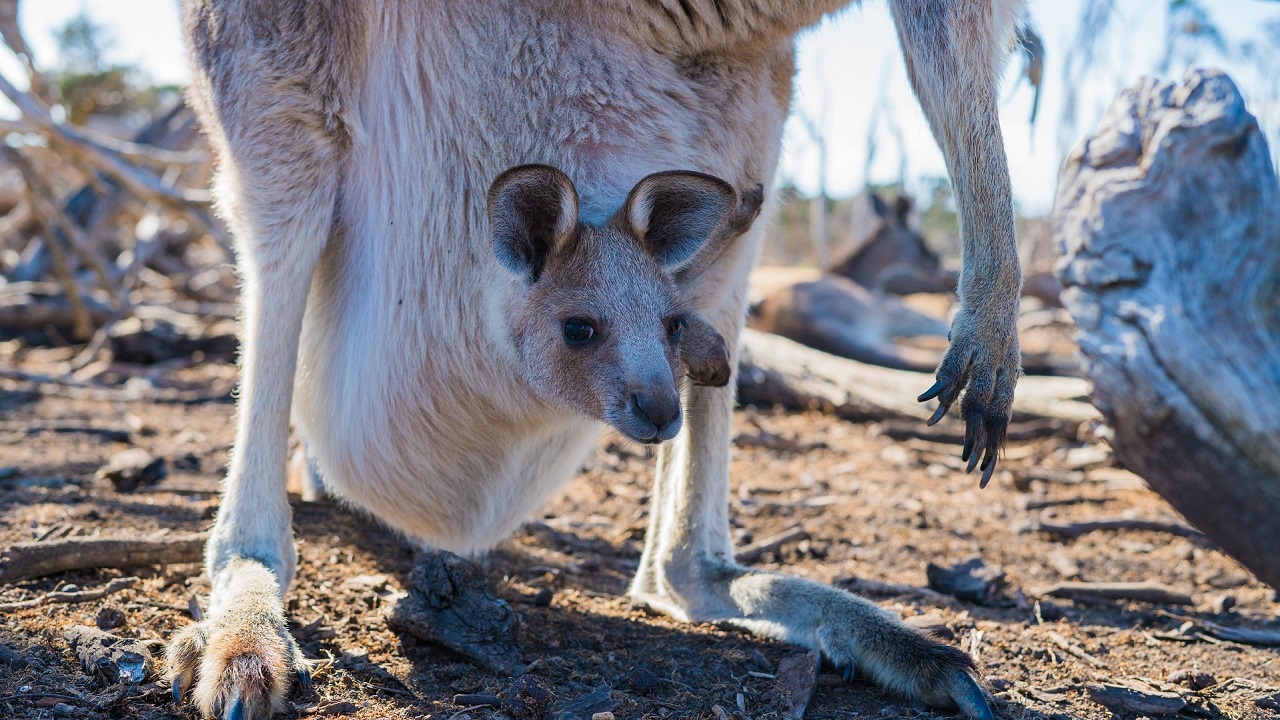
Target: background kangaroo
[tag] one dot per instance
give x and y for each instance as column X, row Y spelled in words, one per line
column 355, row 141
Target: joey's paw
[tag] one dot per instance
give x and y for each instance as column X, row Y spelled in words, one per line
column 914, row 666
column 237, row 666
column 984, row 361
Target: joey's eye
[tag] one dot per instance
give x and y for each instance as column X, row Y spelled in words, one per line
column 578, row 331
column 674, row 327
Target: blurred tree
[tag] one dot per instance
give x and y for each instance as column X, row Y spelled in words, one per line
column 87, row 83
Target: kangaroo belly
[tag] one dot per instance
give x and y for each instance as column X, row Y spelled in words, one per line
column 408, row 390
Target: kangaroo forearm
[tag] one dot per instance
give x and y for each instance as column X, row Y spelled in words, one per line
column 954, row 52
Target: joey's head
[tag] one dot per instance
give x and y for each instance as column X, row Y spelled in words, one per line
column 600, row 325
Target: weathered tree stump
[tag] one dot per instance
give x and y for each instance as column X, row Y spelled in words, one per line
column 1169, row 227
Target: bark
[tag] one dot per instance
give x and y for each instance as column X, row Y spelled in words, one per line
column 1169, row 227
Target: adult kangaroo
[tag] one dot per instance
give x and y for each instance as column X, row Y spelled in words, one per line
column 355, row 143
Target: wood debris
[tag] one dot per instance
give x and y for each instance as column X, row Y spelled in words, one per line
column 796, row 679
column 110, row 657
column 27, row 560
column 1139, row 700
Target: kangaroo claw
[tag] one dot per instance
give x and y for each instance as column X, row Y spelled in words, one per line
column 969, row 697
column 236, row 711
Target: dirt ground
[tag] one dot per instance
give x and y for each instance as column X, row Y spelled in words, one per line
column 875, row 509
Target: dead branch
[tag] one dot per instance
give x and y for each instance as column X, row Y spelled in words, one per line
column 38, row 559
column 48, row 209
column 108, row 155
column 753, row 552
column 776, row 371
column 1075, row 530
column 115, row 586
column 11, row 33
column 1142, row 592
column 1169, row 220
column 81, row 323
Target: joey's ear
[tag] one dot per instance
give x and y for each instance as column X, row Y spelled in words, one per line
column 674, row 213
column 533, row 209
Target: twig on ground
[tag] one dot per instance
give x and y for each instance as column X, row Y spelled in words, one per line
column 30, row 560
column 114, row 586
column 1244, row 636
column 1143, row 592
column 1075, row 650
column 1075, row 530
column 753, row 552
column 40, row 696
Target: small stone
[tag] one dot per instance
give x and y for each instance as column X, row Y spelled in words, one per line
column 643, row 681
column 109, row 618
column 543, row 598
column 602, row 716
column 187, row 463
column 528, row 698
column 1202, row 680
column 972, row 580
column 65, row 710
column 130, row 469
column 12, row 658
column 1223, row 604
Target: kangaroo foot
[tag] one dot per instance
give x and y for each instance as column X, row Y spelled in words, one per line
column 239, row 663
column 856, row 635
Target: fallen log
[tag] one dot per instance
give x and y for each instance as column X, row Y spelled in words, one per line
column 24, row 561
column 1169, row 223
column 773, row 370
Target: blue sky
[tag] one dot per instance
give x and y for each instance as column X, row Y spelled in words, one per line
column 844, row 64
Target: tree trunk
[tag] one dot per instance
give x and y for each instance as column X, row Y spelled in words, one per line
column 1169, row 227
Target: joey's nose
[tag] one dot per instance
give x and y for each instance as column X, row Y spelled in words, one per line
column 662, row 410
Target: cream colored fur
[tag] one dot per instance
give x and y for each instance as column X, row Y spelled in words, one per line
column 356, row 140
